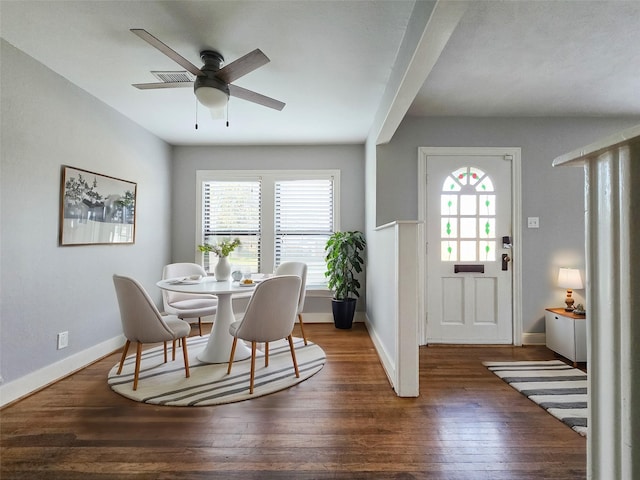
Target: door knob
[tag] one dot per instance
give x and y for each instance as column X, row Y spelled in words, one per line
column 505, row 261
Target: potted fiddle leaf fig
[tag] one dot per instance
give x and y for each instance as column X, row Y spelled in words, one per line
column 344, row 263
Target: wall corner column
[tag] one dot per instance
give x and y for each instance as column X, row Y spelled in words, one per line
column 612, row 214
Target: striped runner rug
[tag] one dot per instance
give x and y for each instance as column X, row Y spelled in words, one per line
column 165, row 384
column 557, row 387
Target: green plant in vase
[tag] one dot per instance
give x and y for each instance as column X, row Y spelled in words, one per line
column 222, row 250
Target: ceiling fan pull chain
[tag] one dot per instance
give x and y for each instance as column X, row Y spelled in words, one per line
column 227, row 114
column 196, row 113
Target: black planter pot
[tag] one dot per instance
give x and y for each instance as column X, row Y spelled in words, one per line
column 343, row 312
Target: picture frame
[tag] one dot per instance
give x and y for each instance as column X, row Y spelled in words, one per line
column 96, row 209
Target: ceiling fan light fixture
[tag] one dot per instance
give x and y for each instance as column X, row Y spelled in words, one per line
column 210, row 91
column 212, row 97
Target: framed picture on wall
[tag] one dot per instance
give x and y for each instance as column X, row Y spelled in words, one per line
column 96, row 209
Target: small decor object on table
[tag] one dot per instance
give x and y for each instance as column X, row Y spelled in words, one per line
column 570, row 279
column 236, row 275
column 222, row 270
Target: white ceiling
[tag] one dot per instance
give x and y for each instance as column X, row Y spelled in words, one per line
column 331, row 60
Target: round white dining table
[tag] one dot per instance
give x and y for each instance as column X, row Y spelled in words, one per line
column 218, row 348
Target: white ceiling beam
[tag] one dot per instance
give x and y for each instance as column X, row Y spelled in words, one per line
column 429, row 29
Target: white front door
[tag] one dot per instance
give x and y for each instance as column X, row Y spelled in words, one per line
column 469, row 281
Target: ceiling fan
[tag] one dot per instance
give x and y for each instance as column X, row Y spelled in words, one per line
column 212, row 84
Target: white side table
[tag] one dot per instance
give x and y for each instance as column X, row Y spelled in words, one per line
column 566, row 334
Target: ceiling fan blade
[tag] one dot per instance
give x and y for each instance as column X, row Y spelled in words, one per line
column 254, row 97
column 168, row 51
column 149, row 86
column 242, row 66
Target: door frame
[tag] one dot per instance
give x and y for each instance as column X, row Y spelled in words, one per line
column 510, row 153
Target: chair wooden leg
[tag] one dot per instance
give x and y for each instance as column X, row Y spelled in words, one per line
column 293, row 356
column 137, row 370
column 266, row 354
column 124, row 355
column 253, row 366
column 233, row 352
column 185, row 355
column 304, row 337
column 200, row 325
column 165, row 352
column 173, row 350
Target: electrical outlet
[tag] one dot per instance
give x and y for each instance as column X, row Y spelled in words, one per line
column 533, row 222
column 63, row 340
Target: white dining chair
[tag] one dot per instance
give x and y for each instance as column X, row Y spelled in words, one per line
column 270, row 316
column 142, row 323
column 299, row 269
column 186, row 305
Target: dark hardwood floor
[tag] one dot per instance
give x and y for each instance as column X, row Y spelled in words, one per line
column 344, row 423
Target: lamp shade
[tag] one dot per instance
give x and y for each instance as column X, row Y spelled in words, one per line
column 569, row 278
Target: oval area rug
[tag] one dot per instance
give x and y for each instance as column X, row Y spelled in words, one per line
column 165, row 384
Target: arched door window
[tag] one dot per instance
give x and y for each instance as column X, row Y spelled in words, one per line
column 468, row 216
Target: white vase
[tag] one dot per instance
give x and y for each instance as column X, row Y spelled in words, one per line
column 223, row 269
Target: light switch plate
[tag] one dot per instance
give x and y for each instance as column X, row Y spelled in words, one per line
column 63, row 340
column 533, row 222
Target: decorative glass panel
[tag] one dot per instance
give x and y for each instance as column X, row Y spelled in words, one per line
column 468, row 251
column 449, row 227
column 474, row 175
column 485, row 185
column 461, row 175
column 487, row 227
column 487, row 251
column 449, row 251
column 468, row 204
column 487, row 204
column 468, row 228
column 451, row 185
column 468, row 216
column 448, row 204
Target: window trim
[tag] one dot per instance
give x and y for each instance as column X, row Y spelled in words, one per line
column 268, row 199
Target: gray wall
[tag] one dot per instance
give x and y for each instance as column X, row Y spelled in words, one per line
column 48, row 122
column 349, row 159
column 556, row 195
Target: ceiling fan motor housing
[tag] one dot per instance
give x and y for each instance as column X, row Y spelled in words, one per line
column 212, row 63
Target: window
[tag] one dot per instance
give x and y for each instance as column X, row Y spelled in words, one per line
column 231, row 208
column 468, row 216
column 278, row 216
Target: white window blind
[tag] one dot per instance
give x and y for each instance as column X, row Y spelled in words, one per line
column 303, row 224
column 278, row 216
column 231, row 209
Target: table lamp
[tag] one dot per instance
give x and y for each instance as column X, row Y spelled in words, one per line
column 569, row 278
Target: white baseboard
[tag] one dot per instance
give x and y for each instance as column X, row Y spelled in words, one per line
column 327, row 317
column 388, row 363
column 39, row 379
column 534, row 339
